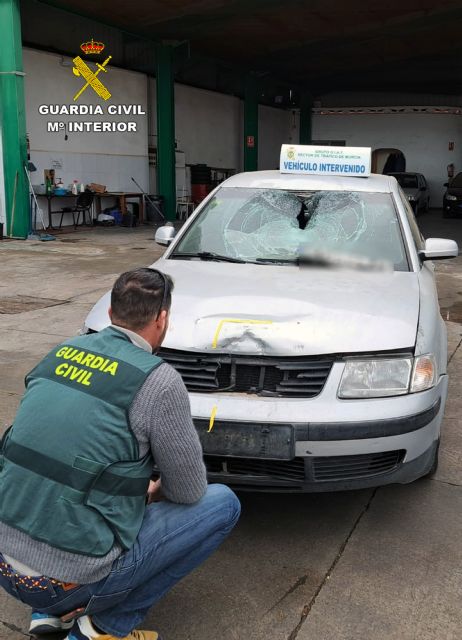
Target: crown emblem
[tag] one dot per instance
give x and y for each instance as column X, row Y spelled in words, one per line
column 92, row 47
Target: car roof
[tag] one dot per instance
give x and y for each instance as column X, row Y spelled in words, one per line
column 276, row 180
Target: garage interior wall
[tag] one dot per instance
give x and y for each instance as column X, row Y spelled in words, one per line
column 276, row 127
column 422, row 137
column 209, row 129
column 106, row 158
column 384, row 99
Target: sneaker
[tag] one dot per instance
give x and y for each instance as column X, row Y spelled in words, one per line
column 45, row 623
column 84, row 630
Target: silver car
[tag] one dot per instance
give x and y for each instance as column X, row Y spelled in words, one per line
column 305, row 324
column 416, row 189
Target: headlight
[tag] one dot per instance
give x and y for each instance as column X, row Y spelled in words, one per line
column 387, row 377
column 411, row 198
column 448, row 197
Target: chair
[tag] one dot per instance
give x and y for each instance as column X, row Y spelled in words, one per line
column 184, row 205
column 82, row 206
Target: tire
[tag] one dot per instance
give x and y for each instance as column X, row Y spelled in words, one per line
column 446, row 214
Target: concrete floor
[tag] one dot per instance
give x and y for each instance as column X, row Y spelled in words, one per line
column 366, row 565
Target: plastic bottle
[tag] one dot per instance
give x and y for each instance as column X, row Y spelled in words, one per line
column 82, row 188
column 74, row 188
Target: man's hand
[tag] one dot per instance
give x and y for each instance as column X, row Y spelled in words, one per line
column 154, row 491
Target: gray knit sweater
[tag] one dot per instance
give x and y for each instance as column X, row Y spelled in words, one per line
column 160, row 417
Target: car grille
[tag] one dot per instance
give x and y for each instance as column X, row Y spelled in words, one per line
column 304, row 470
column 287, row 471
column 294, row 377
column 352, row 467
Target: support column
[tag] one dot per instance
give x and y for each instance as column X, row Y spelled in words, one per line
column 13, row 121
column 305, row 119
column 251, row 124
column 166, row 178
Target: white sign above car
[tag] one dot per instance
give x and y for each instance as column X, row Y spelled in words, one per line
column 324, row 161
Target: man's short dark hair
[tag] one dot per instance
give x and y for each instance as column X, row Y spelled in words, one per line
column 138, row 296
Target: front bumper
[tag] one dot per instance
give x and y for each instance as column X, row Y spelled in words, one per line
column 453, row 207
column 326, row 456
column 301, row 476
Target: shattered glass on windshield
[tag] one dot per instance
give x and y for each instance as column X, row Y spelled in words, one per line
column 272, row 224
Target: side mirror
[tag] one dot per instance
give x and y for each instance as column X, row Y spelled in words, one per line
column 439, row 249
column 164, row 235
column 446, row 184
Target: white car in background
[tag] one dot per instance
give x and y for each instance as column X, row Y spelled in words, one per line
column 306, row 327
column 416, row 190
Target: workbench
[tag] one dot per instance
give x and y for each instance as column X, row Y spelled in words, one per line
column 121, row 197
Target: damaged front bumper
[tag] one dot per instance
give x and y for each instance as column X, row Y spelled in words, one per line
column 326, row 455
column 321, row 474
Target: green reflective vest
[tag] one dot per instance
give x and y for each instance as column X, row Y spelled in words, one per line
column 70, row 471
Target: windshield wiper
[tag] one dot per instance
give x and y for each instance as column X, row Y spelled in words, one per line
column 276, row 261
column 208, row 255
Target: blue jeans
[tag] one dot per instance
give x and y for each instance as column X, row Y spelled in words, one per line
column 173, row 540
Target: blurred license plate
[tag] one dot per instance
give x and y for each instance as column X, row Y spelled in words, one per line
column 247, row 440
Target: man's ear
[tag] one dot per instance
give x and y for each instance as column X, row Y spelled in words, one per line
column 110, row 313
column 162, row 318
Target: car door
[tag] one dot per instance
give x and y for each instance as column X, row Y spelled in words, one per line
column 423, row 194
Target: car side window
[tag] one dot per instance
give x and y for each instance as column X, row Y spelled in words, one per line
column 418, row 237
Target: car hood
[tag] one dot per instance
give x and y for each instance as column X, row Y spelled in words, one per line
column 285, row 310
column 454, row 191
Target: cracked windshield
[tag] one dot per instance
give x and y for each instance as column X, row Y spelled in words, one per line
column 277, row 226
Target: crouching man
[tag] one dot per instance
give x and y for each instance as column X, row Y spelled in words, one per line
column 79, row 541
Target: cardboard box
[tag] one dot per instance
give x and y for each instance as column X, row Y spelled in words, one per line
column 98, row 188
